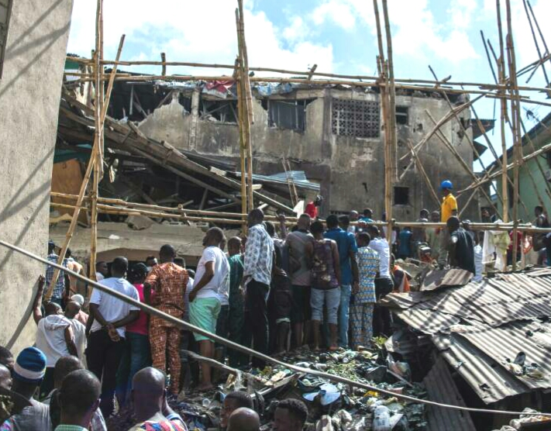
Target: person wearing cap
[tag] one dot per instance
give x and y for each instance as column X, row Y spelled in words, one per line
column 28, row 372
column 448, row 209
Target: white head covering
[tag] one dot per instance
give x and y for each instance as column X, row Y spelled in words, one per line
column 79, row 299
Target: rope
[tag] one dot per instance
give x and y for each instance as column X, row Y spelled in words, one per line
column 187, row 326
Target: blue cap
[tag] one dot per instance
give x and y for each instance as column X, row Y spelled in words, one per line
column 30, row 366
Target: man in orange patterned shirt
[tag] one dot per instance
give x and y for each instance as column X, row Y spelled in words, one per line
column 168, row 282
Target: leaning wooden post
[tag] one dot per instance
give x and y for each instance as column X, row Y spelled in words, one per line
column 86, row 179
column 516, row 117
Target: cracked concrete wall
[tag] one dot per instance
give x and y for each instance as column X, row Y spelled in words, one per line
column 30, row 90
column 350, row 170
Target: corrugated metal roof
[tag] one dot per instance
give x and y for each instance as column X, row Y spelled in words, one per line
column 481, row 328
column 441, row 388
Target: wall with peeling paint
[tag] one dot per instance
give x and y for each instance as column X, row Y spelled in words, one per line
column 349, row 169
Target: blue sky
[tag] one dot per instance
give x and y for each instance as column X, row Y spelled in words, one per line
column 338, row 35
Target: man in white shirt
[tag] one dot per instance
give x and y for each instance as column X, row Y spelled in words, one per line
column 383, row 283
column 204, row 298
column 55, row 336
column 257, row 276
column 106, row 342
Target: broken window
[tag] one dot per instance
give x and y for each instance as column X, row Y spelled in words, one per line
column 401, row 195
column 5, row 10
column 289, row 115
column 402, row 115
column 224, row 111
column 358, row 118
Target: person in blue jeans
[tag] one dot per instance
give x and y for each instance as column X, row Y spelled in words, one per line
column 346, row 244
column 137, row 354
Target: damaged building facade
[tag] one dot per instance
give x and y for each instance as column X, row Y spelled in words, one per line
column 332, row 133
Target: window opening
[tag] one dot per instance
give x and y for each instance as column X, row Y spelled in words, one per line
column 402, row 116
column 401, row 195
column 289, row 115
column 358, row 118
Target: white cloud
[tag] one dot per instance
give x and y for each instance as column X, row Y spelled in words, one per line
column 196, row 32
column 338, row 11
column 416, row 33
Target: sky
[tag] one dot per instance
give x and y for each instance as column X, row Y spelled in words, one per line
column 337, row 35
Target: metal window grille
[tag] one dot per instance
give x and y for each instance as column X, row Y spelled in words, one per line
column 5, row 9
column 358, row 118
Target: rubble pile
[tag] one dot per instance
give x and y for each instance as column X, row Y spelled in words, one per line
column 331, row 406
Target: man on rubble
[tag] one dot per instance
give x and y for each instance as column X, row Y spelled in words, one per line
column 168, row 281
column 461, row 246
column 448, row 209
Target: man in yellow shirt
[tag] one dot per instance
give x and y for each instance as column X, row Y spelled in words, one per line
column 449, row 203
column 449, row 209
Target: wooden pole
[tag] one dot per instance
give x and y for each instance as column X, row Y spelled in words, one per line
column 246, row 88
column 540, row 56
column 86, row 179
column 423, row 173
column 242, row 144
column 503, row 117
column 516, row 118
column 391, row 97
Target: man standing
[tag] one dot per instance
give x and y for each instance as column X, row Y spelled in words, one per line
column 204, row 301
column 169, row 282
column 346, row 243
column 448, row 209
column 383, row 282
column 62, row 283
column 353, row 217
column 55, row 337
column 364, row 296
column 541, row 221
column 79, row 330
column 461, row 246
column 300, row 245
column 237, row 303
column 257, row 276
column 106, row 341
column 367, row 216
column 102, row 270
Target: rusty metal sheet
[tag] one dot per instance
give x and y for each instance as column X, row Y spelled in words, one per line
column 438, row 279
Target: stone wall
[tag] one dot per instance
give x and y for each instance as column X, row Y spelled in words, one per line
column 30, row 90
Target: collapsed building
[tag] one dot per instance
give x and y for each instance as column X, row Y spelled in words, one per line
column 333, row 133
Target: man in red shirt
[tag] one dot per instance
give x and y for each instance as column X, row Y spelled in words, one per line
column 312, row 208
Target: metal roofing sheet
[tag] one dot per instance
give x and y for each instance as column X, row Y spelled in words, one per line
column 441, row 387
column 481, row 328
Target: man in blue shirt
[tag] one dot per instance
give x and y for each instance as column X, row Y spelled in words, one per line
column 346, row 243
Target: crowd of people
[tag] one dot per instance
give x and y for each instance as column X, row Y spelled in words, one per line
column 319, row 285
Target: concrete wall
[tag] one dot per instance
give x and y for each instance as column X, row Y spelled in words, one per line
column 349, row 169
column 30, row 90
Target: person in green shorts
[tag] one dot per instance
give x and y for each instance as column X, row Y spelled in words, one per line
column 204, row 304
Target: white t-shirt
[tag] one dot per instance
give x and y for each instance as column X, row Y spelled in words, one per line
column 380, row 245
column 221, row 269
column 50, row 338
column 224, row 289
column 111, row 308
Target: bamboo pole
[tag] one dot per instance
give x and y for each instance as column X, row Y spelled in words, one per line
column 537, row 46
column 444, row 139
column 246, row 91
column 383, row 77
column 242, row 145
column 85, row 181
column 107, row 209
column 516, row 117
column 393, row 151
column 431, row 84
column 177, row 210
column 423, row 173
column 503, row 117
